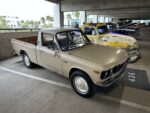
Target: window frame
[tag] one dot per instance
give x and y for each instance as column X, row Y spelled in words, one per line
column 70, row 31
column 42, row 39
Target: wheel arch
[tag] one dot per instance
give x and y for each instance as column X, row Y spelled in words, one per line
column 22, row 52
column 77, row 69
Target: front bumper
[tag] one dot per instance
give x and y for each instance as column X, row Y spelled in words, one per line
column 113, row 78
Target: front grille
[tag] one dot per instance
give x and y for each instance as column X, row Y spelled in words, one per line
column 117, row 68
column 108, row 73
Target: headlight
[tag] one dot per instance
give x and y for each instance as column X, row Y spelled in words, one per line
column 108, row 73
column 104, row 75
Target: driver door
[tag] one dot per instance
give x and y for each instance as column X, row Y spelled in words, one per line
column 48, row 54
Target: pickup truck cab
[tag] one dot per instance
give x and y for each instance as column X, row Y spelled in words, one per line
column 71, row 54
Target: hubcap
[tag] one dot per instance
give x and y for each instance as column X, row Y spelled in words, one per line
column 133, row 55
column 27, row 61
column 81, row 85
column 132, row 58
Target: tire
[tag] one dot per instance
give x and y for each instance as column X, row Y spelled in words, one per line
column 130, row 60
column 87, row 89
column 26, row 60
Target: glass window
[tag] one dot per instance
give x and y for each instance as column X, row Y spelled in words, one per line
column 87, row 31
column 102, row 29
column 72, row 39
column 47, row 40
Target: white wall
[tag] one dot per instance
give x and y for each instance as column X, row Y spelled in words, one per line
column 6, row 50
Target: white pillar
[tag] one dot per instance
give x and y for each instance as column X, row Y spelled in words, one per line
column 94, row 19
column 58, row 16
column 104, row 19
column 82, row 17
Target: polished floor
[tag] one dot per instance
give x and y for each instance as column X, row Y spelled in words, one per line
column 39, row 90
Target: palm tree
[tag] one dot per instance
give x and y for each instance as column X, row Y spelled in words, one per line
column 68, row 18
column 77, row 14
column 36, row 24
column 39, row 22
column 31, row 23
column 3, row 23
column 22, row 21
column 43, row 20
column 49, row 18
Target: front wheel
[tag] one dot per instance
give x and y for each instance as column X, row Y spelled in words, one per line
column 82, row 84
column 26, row 60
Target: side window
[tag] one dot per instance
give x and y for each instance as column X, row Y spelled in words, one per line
column 63, row 40
column 87, row 31
column 47, row 40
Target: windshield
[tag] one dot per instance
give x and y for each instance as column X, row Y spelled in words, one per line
column 72, row 39
column 102, row 29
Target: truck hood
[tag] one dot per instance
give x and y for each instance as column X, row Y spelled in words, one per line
column 105, row 56
column 117, row 40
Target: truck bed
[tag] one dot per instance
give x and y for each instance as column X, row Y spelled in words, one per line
column 32, row 40
column 27, row 45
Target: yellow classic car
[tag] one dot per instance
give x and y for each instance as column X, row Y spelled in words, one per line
column 99, row 34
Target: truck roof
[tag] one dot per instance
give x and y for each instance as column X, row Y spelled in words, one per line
column 57, row 30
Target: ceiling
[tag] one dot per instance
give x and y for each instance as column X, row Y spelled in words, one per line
column 114, row 8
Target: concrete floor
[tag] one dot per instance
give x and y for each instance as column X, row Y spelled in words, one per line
column 39, row 90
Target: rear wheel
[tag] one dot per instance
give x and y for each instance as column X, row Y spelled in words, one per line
column 82, row 84
column 26, row 60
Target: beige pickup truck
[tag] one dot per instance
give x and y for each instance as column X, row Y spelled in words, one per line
column 71, row 54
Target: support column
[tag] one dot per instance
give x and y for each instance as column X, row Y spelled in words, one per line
column 61, row 19
column 82, row 17
column 85, row 17
column 104, row 19
column 95, row 19
column 58, row 16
